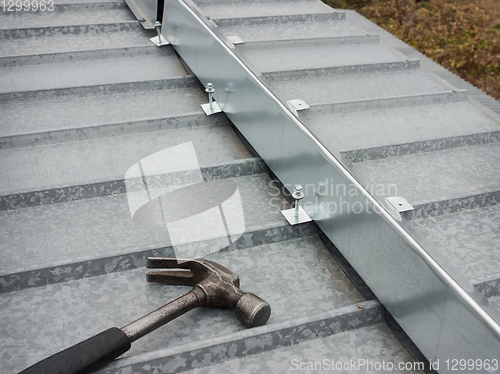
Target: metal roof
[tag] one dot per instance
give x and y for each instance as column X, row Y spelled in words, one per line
column 84, row 95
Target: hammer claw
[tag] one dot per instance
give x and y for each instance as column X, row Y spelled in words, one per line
column 187, row 272
column 177, row 277
column 166, row 263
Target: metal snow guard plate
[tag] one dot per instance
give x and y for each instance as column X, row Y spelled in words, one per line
column 440, row 311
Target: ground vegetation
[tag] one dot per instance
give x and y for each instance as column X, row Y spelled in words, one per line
column 461, row 35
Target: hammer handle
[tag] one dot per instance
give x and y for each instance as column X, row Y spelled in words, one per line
column 165, row 314
column 86, row 356
column 102, row 348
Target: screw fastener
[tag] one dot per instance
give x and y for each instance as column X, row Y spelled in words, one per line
column 298, row 195
column 296, row 215
column 212, row 107
column 158, row 30
column 209, row 88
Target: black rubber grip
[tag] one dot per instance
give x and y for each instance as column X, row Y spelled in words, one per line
column 86, row 356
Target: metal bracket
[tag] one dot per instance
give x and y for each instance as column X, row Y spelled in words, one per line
column 296, row 105
column 159, row 40
column 295, row 220
column 235, row 40
column 210, row 21
column 211, row 107
column 397, row 205
column 297, row 214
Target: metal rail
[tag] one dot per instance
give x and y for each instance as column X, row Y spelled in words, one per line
column 439, row 310
column 144, row 11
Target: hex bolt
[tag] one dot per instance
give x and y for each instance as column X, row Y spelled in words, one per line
column 158, row 30
column 298, row 195
column 209, row 88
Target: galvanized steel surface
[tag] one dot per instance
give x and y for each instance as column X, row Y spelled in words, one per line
column 74, row 268
column 438, row 310
column 145, row 11
column 53, row 253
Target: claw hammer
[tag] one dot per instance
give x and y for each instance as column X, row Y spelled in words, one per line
column 213, row 286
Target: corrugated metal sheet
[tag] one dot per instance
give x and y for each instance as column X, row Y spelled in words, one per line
column 85, row 95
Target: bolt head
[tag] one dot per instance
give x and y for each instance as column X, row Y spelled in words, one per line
column 209, row 88
column 230, row 87
column 298, row 194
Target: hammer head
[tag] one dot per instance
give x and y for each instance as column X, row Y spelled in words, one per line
column 220, row 286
